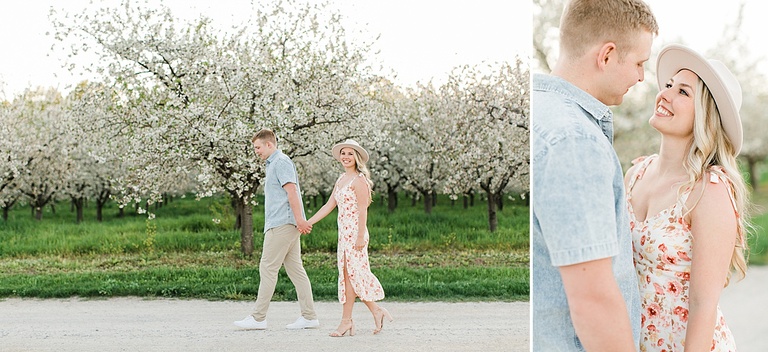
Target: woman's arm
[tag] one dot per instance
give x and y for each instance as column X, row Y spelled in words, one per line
column 714, row 229
column 363, row 195
column 325, row 210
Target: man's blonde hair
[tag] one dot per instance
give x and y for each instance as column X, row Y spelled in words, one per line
column 585, row 23
column 265, row 135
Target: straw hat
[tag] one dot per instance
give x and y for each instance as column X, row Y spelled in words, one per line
column 723, row 85
column 349, row 143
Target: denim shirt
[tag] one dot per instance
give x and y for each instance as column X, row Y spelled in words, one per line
column 578, row 206
column 277, row 210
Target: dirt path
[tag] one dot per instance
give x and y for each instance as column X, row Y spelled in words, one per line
column 745, row 307
column 135, row 324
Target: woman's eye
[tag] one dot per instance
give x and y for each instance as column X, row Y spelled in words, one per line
column 683, row 92
column 668, row 85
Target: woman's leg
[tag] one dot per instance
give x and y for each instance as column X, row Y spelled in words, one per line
column 379, row 314
column 346, row 311
column 349, row 293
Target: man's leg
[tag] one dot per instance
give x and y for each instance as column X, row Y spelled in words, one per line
column 295, row 270
column 276, row 246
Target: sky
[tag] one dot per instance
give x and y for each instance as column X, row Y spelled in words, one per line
column 419, row 40
column 699, row 23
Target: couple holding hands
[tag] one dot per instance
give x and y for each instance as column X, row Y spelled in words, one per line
column 636, row 260
column 284, row 223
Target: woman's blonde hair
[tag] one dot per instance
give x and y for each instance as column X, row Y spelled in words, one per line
column 363, row 169
column 711, row 147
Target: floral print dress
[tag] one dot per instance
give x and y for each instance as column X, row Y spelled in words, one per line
column 662, row 253
column 364, row 283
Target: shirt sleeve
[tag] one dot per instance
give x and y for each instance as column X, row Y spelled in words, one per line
column 575, row 201
column 285, row 172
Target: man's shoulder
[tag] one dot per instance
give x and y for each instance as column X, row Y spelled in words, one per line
column 562, row 119
column 281, row 159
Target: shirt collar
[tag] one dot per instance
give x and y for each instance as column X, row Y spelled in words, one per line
column 590, row 104
column 274, row 156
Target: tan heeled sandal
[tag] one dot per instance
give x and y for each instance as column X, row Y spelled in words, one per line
column 379, row 319
column 346, row 325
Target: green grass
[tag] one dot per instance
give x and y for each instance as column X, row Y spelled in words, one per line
column 758, row 239
column 448, row 255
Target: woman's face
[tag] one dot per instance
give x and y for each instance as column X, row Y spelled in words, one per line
column 674, row 113
column 347, row 157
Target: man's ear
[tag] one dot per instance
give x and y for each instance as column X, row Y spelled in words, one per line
column 607, row 52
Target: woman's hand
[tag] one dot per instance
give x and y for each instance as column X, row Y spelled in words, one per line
column 360, row 243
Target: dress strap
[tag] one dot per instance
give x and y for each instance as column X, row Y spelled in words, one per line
column 339, row 179
column 365, row 181
column 717, row 174
column 350, row 181
column 640, row 171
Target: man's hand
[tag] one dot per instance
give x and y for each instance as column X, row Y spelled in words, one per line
column 304, row 226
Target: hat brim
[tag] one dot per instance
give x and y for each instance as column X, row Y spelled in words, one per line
column 675, row 57
column 336, row 151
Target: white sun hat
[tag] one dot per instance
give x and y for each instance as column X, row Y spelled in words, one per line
column 723, row 85
column 349, row 143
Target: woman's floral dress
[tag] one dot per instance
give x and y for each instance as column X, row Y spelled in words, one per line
column 662, row 252
column 364, row 283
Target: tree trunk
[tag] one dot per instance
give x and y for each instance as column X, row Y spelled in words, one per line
column 246, row 229
column 493, row 222
column 391, row 200
column 120, row 213
column 38, row 203
column 7, row 208
column 753, row 178
column 428, row 202
column 434, row 198
column 101, row 200
column 413, row 200
column 78, row 203
column 472, row 199
column 500, row 200
column 53, row 208
column 237, row 204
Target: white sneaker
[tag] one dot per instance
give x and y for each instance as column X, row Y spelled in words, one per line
column 303, row 323
column 250, row 323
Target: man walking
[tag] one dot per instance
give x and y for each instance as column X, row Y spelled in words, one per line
column 584, row 292
column 284, row 222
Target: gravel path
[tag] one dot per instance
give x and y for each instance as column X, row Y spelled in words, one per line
column 136, row 324
column 745, row 307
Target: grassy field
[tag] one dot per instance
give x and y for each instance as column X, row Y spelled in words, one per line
column 758, row 239
column 448, row 255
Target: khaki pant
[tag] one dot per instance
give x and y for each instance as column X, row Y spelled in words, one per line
column 282, row 246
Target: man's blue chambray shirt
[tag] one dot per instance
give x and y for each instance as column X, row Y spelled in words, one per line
column 579, row 212
column 277, row 210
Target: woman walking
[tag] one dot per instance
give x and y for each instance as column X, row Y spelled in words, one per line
column 352, row 195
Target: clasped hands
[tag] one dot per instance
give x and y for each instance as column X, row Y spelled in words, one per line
column 304, row 227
